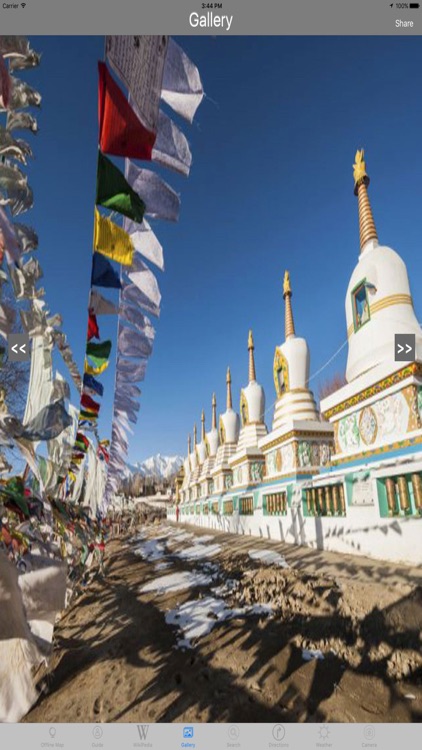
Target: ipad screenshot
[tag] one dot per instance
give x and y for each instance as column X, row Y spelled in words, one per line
column 210, row 375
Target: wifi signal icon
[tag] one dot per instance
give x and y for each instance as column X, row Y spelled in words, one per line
column 23, row 5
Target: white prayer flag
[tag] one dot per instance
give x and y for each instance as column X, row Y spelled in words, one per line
column 145, row 281
column 148, row 298
column 99, row 305
column 7, row 319
column 171, row 148
column 134, row 343
column 161, row 201
column 134, row 316
column 182, row 87
column 8, row 239
column 139, row 63
column 129, row 390
column 131, row 371
column 144, row 241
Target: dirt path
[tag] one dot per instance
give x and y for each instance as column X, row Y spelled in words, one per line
column 117, row 659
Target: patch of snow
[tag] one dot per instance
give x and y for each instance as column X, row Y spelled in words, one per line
column 260, row 609
column 206, row 538
column 311, row 653
column 162, row 565
column 176, row 582
column 267, row 557
column 196, row 618
column 180, row 537
column 231, row 584
column 150, row 550
column 198, row 551
column 210, row 567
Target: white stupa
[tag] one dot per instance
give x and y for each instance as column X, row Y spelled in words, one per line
column 186, row 474
column 229, row 425
column 202, row 447
column 195, row 467
column 291, row 371
column 211, row 443
column 378, row 407
column 299, row 442
column 248, row 460
column 378, row 301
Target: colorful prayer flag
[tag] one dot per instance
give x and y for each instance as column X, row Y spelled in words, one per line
column 103, row 273
column 95, row 370
column 121, row 133
column 112, row 241
column 87, row 415
column 100, row 351
column 89, row 404
column 94, row 385
column 93, row 330
column 115, row 193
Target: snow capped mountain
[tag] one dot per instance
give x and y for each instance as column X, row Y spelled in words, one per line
column 159, row 467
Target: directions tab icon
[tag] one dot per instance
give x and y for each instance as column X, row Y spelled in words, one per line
column 404, row 347
column 18, row 347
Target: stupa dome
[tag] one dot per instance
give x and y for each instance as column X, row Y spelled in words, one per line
column 378, row 300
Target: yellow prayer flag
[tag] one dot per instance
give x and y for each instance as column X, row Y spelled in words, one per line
column 112, row 241
column 95, row 370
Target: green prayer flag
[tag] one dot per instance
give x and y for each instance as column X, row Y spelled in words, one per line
column 114, row 192
column 99, row 353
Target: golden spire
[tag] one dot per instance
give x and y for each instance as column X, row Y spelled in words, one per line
column 203, row 425
column 194, row 436
column 287, row 294
column 252, row 374
column 367, row 229
column 229, row 389
column 214, row 412
column 189, row 446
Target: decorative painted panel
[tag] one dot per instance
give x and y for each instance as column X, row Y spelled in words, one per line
column 256, row 471
column 386, row 420
column 228, row 481
column 237, row 475
column 288, row 457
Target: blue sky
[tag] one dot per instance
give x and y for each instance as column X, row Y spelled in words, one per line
column 270, row 188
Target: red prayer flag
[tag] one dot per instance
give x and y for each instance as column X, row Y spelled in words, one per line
column 121, row 131
column 88, row 403
column 93, row 330
column 80, row 437
column 5, row 84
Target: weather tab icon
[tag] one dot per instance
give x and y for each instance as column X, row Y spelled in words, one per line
column 324, row 732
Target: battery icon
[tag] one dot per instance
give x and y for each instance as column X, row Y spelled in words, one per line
column 414, row 5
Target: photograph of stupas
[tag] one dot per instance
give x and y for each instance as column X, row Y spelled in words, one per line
column 210, row 383
column 344, row 476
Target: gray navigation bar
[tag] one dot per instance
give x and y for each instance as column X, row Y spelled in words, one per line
column 275, row 736
column 229, row 17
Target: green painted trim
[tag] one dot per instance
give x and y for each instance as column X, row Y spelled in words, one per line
column 412, row 512
column 352, row 293
column 265, row 511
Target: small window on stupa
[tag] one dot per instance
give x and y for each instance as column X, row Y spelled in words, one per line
column 361, row 313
